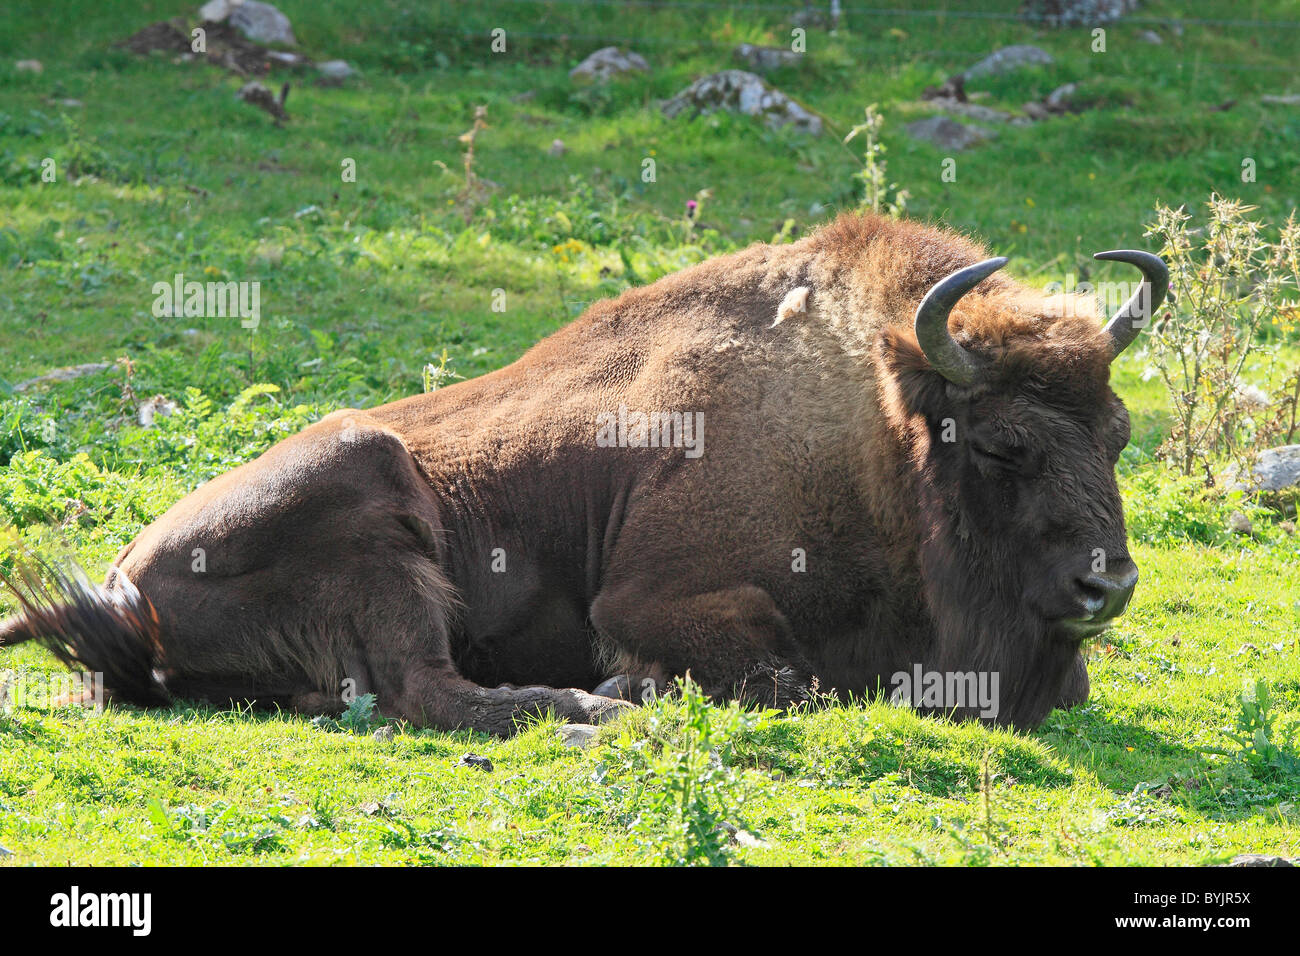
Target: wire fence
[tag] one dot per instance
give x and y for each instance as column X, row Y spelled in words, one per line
column 848, row 12
column 702, row 42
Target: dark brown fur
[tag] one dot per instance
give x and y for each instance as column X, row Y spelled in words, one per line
column 363, row 548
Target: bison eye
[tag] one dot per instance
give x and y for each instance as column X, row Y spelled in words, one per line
column 1001, row 457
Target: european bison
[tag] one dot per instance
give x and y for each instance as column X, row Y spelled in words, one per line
column 840, row 459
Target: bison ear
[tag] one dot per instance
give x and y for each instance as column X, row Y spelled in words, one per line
column 908, row 375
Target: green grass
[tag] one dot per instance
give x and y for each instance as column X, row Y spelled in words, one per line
column 163, row 171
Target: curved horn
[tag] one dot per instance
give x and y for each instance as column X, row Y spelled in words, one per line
column 947, row 357
column 1136, row 313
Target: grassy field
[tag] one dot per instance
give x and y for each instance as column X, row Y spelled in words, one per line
column 161, row 170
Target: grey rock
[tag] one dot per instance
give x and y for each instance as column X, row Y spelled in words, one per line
column 4, row 853
column 65, row 374
column 1238, row 523
column 336, row 70
column 262, row 23
column 972, row 111
column 1276, row 468
column 1075, row 13
column 1007, row 59
column 1289, row 99
column 947, row 133
column 741, row 92
column 581, row 736
column 1058, row 101
column 293, row 61
column 385, row 733
column 607, row 63
column 1150, row 36
column 766, row 58
column 214, row 11
column 810, row 16
column 557, row 148
column 29, row 66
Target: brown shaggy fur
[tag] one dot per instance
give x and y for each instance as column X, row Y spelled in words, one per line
column 437, row 546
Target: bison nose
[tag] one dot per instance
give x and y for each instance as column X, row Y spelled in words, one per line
column 1104, row 594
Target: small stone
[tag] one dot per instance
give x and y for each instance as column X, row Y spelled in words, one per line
column 607, row 63
column 810, row 16
column 1288, row 527
column 557, row 148
column 765, row 59
column 972, row 111
column 1007, row 59
column 1058, row 100
column 214, row 11
column 476, row 761
column 1150, row 36
column 262, row 23
column 65, row 374
column 385, row 733
column 29, row 66
column 1289, row 99
column 335, row 71
column 947, row 133
column 1238, row 523
column 4, row 853
column 581, row 736
column 285, row 58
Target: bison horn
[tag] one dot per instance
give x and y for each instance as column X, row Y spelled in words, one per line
column 1125, row 325
column 942, row 352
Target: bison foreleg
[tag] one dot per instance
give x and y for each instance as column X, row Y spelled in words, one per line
column 1076, row 687
column 734, row 643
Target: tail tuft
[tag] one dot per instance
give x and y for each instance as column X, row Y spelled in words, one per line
column 88, row 627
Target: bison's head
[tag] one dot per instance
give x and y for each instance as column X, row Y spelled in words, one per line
column 1013, row 432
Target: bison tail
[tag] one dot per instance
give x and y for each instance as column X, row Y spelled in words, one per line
column 114, row 632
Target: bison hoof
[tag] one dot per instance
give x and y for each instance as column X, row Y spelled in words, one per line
column 625, row 687
column 772, row 687
column 598, row 708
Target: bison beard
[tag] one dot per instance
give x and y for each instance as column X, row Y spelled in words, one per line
column 914, row 467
